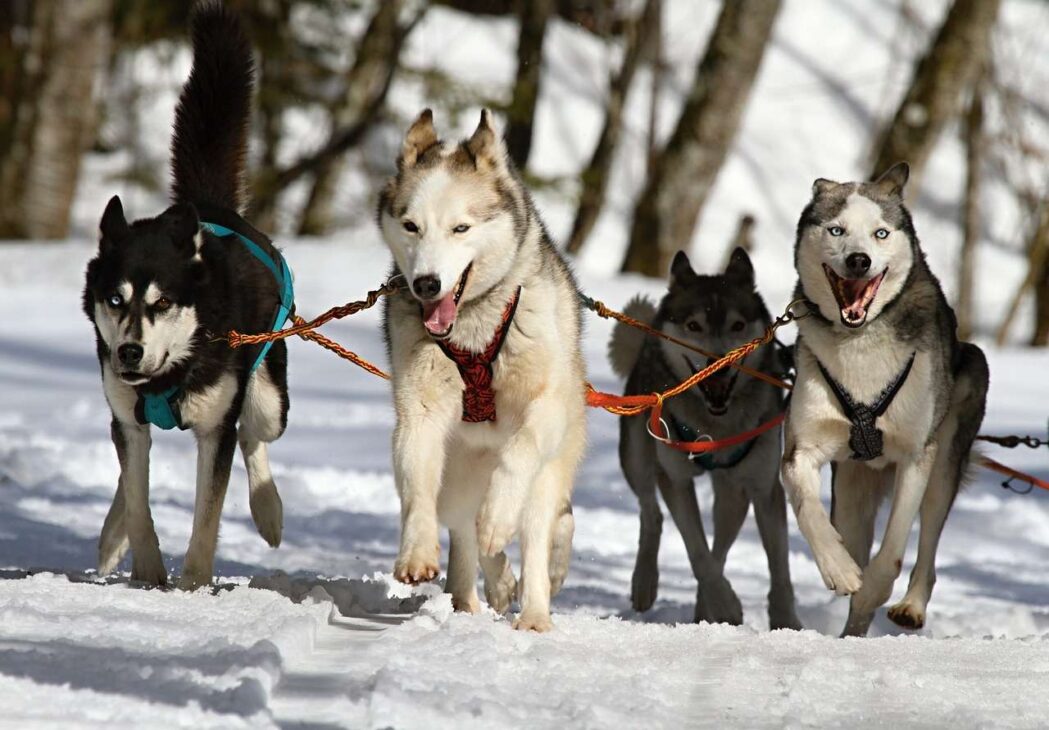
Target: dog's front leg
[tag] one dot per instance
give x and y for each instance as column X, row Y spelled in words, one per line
column 912, row 479
column 214, row 459
column 527, row 449
column 418, row 461
column 132, row 442
column 801, row 477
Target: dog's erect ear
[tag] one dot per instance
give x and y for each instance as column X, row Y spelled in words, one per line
column 485, row 145
column 823, row 185
column 420, row 137
column 184, row 224
column 114, row 225
column 739, row 268
column 892, row 180
column 681, row 270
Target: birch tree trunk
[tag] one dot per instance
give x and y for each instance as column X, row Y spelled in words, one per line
column 669, row 206
column 974, row 142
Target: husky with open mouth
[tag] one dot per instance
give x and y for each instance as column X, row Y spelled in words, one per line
column 885, row 392
column 714, row 313
column 159, row 293
column 488, row 375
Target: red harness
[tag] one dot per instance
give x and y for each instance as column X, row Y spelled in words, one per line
column 475, row 368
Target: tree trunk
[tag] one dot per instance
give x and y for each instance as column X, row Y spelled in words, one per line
column 687, row 168
column 70, row 43
column 594, row 179
column 1037, row 276
column 533, row 16
column 366, row 82
column 948, row 68
column 655, row 56
column 974, row 141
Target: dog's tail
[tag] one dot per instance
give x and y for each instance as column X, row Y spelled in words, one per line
column 210, row 143
column 625, row 346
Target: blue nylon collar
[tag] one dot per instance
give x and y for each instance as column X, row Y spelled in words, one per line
column 162, row 409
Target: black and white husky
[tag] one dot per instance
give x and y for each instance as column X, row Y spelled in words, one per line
column 717, row 314
column 885, row 392
column 162, row 291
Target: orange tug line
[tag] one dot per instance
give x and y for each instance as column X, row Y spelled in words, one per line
column 620, row 405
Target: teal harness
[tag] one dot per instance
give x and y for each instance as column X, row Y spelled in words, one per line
column 707, row 460
column 162, row 409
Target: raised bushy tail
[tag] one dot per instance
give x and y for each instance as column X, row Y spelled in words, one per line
column 210, row 143
column 625, row 346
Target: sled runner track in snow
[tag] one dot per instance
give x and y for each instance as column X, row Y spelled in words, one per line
column 618, row 404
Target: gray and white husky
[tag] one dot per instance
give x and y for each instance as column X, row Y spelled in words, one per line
column 717, row 314
column 885, row 392
column 488, row 375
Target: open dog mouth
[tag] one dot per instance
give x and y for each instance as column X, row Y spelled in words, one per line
column 439, row 315
column 716, row 389
column 854, row 296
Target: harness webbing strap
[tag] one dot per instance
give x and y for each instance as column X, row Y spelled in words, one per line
column 865, row 438
column 707, row 460
column 162, row 409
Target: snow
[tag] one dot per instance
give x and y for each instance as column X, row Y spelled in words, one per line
column 316, row 633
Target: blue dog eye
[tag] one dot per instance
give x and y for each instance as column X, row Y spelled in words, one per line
column 881, row 233
column 836, row 231
column 115, row 300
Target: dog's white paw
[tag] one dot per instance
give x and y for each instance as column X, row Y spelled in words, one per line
column 537, row 621
column 500, row 593
column 267, row 511
column 192, row 579
column 466, row 604
column 907, row 615
column 840, row 572
column 493, row 533
column 417, row 564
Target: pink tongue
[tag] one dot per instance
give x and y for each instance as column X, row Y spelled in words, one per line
column 854, row 289
column 439, row 316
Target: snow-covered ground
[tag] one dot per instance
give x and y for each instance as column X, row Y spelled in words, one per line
column 316, row 635
column 361, row 652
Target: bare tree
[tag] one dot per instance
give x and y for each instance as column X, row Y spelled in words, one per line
column 594, row 179
column 1037, row 276
column 974, row 144
column 669, row 206
column 366, row 82
column 54, row 123
column 533, row 16
column 949, row 67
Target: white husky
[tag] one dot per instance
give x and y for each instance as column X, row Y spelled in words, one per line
column 488, row 376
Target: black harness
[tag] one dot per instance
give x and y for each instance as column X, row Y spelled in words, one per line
column 865, row 438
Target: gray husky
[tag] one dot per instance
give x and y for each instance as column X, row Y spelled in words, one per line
column 885, row 392
column 715, row 313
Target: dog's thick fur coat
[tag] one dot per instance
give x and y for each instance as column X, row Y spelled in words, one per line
column 459, row 215
column 716, row 313
column 874, row 305
column 157, row 292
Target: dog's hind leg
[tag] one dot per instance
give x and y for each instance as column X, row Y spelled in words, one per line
column 462, row 489
column 731, row 504
column 716, row 602
column 214, row 460
column 770, row 512
column 856, row 493
column 462, row 569
column 133, row 442
column 500, row 585
column 262, row 420
column 113, row 543
column 561, row 549
column 912, row 478
column 538, row 525
column 637, row 457
column 955, row 439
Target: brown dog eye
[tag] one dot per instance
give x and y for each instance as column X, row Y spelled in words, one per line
column 410, row 227
column 738, row 326
column 162, row 305
column 694, row 327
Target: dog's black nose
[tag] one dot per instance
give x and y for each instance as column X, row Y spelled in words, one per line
column 130, row 355
column 427, row 287
column 858, row 264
